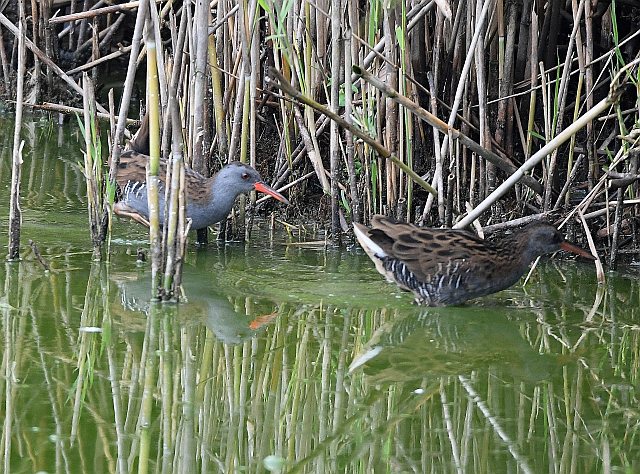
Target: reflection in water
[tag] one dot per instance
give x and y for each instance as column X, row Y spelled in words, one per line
column 450, row 341
column 232, row 319
column 513, row 385
column 543, row 378
column 437, row 343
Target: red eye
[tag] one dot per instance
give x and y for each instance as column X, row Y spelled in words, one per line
column 245, row 176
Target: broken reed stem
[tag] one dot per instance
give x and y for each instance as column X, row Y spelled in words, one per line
column 389, row 135
column 486, row 174
column 589, row 84
column 408, row 130
column 37, row 67
column 254, row 86
column 505, row 125
column 100, row 38
column 92, row 64
column 244, row 146
column 176, row 194
column 153, row 167
column 76, row 17
column 617, row 223
column 437, row 151
column 356, row 203
column 68, row 110
column 199, row 129
column 92, row 165
column 199, row 88
column 334, row 137
column 599, row 268
column 534, row 81
column 15, row 214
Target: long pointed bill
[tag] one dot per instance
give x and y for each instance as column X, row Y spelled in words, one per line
column 577, row 250
column 265, row 188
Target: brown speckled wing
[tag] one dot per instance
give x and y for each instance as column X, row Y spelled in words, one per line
column 132, row 169
column 198, row 188
column 448, row 264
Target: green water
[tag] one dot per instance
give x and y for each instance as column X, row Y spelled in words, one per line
column 295, row 357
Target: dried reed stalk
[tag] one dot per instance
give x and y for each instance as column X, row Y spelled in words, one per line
column 15, row 214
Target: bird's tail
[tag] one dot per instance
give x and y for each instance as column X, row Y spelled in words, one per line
column 140, row 141
column 362, row 234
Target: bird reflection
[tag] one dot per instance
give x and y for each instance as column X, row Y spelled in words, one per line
column 231, row 319
column 446, row 341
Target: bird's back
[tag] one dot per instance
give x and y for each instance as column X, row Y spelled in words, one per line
column 440, row 266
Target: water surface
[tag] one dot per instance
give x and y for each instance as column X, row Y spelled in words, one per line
column 295, row 358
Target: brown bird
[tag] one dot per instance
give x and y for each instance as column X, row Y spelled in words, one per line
column 209, row 200
column 447, row 267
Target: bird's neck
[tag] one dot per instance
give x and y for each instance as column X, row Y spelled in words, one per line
column 222, row 196
column 518, row 247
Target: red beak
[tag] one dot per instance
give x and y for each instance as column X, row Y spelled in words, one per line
column 577, row 250
column 265, row 188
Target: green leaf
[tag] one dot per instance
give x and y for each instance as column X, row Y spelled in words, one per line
column 535, row 134
column 400, row 37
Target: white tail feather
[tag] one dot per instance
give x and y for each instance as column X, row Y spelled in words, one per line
column 367, row 244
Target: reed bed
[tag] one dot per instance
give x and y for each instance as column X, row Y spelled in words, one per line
column 506, row 110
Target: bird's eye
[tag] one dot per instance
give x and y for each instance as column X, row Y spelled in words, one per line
column 245, row 176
